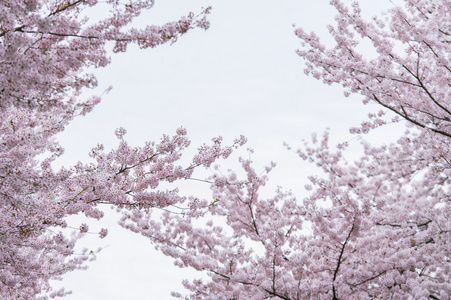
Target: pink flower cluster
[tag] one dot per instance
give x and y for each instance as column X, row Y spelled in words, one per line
column 378, row 227
column 45, row 48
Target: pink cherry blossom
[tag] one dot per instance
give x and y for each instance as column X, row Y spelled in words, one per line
column 374, row 228
column 45, row 49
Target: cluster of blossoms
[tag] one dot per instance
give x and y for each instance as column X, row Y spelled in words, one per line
column 45, row 48
column 375, row 228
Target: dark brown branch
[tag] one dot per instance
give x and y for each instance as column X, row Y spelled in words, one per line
column 340, row 261
column 123, row 169
column 277, row 295
column 435, row 53
column 15, row 29
column 63, row 8
column 433, row 98
column 64, row 34
column 369, row 279
column 404, row 115
column 228, row 277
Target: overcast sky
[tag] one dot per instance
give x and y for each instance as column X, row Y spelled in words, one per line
column 242, row 76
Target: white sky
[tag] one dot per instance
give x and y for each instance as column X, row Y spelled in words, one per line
column 242, row 76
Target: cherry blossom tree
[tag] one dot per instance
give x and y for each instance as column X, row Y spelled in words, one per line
column 46, row 48
column 374, row 228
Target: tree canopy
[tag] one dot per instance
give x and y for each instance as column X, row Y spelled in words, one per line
column 375, row 227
